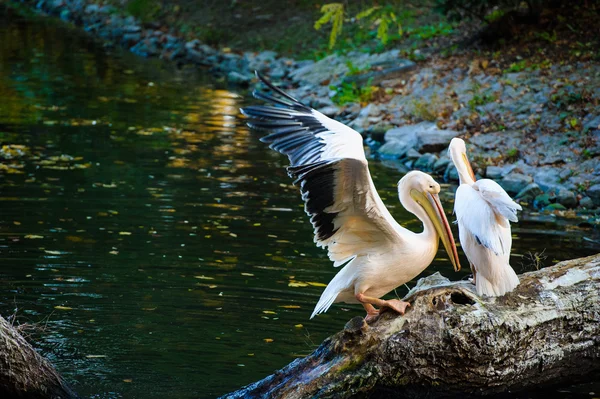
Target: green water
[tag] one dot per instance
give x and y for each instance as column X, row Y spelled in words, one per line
column 148, row 239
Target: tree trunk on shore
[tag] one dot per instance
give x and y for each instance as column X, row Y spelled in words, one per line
column 544, row 333
column 24, row 373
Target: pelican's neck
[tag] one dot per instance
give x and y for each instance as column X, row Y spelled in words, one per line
column 461, row 167
column 429, row 233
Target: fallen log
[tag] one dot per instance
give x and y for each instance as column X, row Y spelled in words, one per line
column 545, row 333
column 24, row 373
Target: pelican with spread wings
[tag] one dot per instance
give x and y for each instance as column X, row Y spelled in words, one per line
column 484, row 212
column 349, row 218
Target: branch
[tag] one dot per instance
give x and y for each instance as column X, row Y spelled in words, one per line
column 546, row 332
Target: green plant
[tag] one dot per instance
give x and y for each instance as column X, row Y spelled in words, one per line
column 351, row 93
column 480, row 99
column 512, row 154
column 383, row 17
column 145, row 10
column 550, row 38
column 425, row 110
column 536, row 259
column 354, row 70
column 334, row 13
column 516, row 67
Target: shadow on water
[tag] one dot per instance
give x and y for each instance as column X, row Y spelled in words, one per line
column 157, row 248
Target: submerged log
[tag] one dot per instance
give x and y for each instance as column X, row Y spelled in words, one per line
column 24, row 373
column 451, row 341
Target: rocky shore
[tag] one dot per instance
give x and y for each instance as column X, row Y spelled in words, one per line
column 535, row 130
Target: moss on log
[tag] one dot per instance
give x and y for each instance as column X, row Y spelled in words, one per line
column 544, row 333
column 24, row 373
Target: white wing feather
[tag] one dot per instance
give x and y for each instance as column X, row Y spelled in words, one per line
column 482, row 209
column 328, row 160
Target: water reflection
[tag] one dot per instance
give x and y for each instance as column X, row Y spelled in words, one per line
column 157, row 246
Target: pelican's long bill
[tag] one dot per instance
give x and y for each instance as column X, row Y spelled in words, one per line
column 469, row 168
column 432, row 205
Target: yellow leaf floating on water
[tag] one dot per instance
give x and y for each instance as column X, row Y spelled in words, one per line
column 298, row 326
column 33, row 236
column 128, row 380
column 203, row 277
column 295, row 283
column 63, row 307
column 268, row 340
column 124, row 233
column 290, row 306
column 269, row 312
column 247, row 274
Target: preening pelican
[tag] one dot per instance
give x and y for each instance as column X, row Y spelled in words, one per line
column 328, row 162
column 483, row 210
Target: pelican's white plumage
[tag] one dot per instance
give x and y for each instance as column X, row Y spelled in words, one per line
column 483, row 211
column 349, row 219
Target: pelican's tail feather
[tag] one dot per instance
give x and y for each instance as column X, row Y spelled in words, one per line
column 502, row 281
column 342, row 281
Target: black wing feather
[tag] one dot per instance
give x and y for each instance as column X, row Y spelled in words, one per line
column 292, row 125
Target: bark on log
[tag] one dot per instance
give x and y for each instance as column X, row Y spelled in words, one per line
column 24, row 373
column 451, row 341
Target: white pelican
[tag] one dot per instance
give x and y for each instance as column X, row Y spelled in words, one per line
column 328, row 161
column 483, row 211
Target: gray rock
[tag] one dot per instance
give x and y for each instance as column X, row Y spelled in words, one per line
column 566, row 198
column 130, row 38
column 405, row 133
column 277, row 73
column 594, row 193
column 206, row 49
column 498, row 172
column 266, row 56
column 198, row 57
column 395, row 149
column 395, row 164
column 132, row 29
column 514, row 182
column 441, row 164
column 425, row 162
column 433, row 139
column 330, row 110
column 361, row 121
column 530, row 191
column 594, row 124
column 426, row 136
column 237, row 78
column 91, row 8
column 451, row 173
column 541, row 201
column 398, row 141
column 192, row 44
column 555, row 207
column 586, row 202
column 412, row 154
column 548, row 179
column 65, row 15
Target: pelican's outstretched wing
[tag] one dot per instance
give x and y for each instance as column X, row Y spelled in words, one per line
column 328, row 162
column 483, row 209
